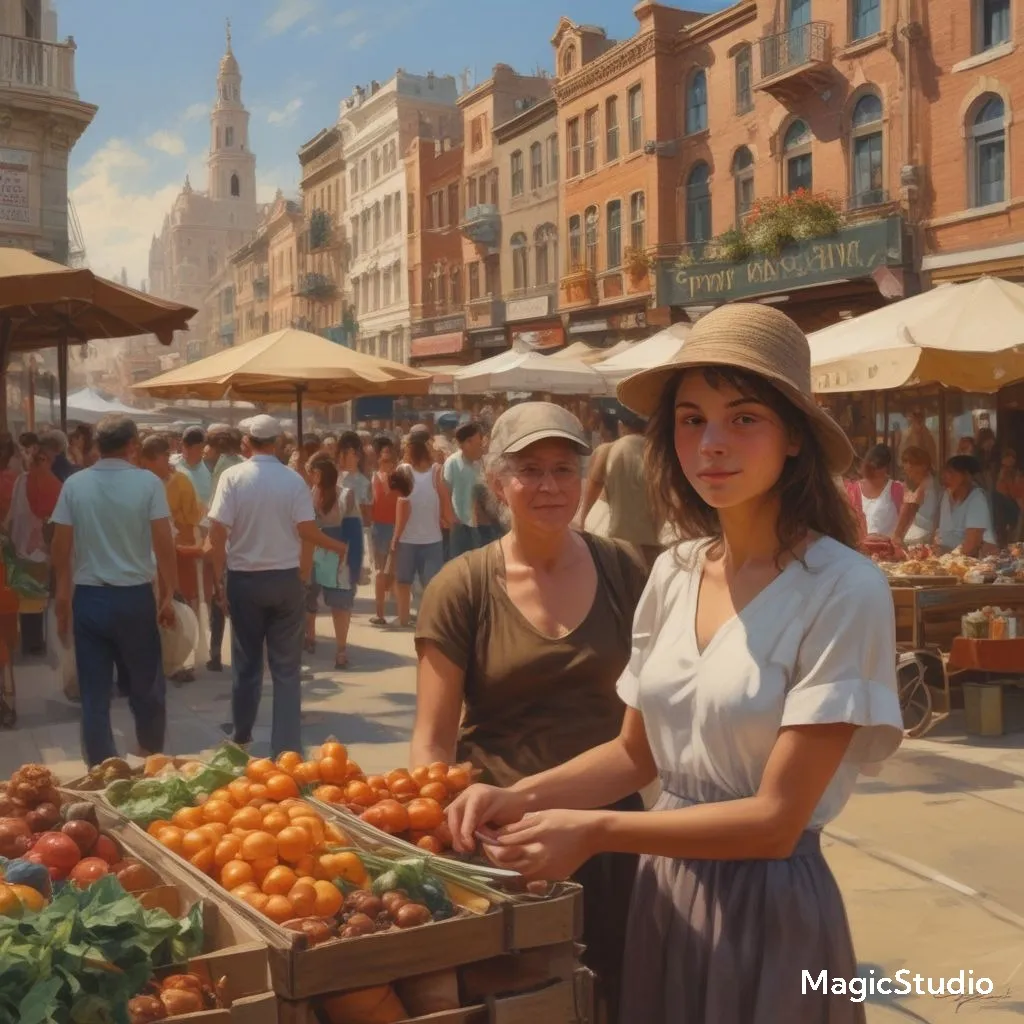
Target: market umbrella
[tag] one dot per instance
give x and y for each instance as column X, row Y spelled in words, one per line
column 589, row 354
column 529, row 371
column 969, row 336
column 644, row 355
column 45, row 304
column 87, row 405
column 289, row 365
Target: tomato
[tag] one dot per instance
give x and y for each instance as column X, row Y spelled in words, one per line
column 58, row 851
column 89, row 870
column 107, row 849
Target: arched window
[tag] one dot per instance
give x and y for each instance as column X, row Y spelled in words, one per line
column 697, row 103
column 519, row 261
column 590, row 226
column 575, row 242
column 797, row 154
column 987, row 170
column 542, row 258
column 569, row 60
column 744, row 80
column 743, row 181
column 236, row 188
column 866, row 152
column 698, row 204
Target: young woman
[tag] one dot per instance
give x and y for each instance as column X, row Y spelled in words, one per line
column 919, row 514
column 761, row 681
column 382, row 525
column 876, row 494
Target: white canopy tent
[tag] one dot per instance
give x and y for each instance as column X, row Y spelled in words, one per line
column 589, row 354
column 87, row 405
column 529, row 371
column 644, row 355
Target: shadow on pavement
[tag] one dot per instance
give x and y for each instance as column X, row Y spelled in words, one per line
column 934, row 774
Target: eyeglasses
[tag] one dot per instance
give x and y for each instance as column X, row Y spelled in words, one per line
column 533, row 476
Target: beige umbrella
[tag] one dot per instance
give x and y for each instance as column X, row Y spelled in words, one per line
column 286, row 366
column 969, row 336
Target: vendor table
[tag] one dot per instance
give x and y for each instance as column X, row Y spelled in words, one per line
column 930, row 616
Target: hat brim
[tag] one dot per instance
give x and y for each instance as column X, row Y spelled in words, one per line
column 642, row 392
column 521, row 443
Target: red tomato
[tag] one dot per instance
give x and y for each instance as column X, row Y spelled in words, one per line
column 89, row 870
column 107, row 849
column 58, row 851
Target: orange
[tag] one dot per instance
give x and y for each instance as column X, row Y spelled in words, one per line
column 188, row 817
column 203, row 860
column 278, row 880
column 394, row 775
column 458, row 778
column 288, row 760
column 406, row 788
column 297, row 809
column 214, row 829
column 257, row 791
column 218, row 810
column 307, row 773
column 223, row 794
column 328, row 899
column 334, row 834
column 194, row 841
column 226, row 849
column 360, row 794
column 305, row 866
column 170, row 836
column 303, row 897
column 421, row 775
column 247, row 818
column 353, row 771
column 281, row 786
column 243, row 890
column 293, row 842
column 258, row 845
column 259, row 769
column 342, row 865
column 376, row 782
column 157, row 826
column 235, row 873
column 424, row 814
column 256, row 900
column 435, row 791
column 332, row 770
column 275, row 820
column 329, row 794
column 279, row 909
column 314, row 826
column 334, row 749
column 262, row 866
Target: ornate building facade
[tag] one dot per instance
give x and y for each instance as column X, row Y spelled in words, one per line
column 204, row 227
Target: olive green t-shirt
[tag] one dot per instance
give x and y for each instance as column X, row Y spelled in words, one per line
column 531, row 701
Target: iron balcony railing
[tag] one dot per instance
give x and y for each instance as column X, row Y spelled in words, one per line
column 794, row 48
column 34, row 64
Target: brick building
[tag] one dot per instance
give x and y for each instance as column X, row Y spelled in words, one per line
column 433, row 174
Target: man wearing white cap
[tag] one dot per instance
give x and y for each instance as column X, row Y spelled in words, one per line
column 261, row 515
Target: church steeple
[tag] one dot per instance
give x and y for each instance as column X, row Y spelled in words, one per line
column 232, row 165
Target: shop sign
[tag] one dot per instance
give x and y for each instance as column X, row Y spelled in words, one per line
column 854, row 252
column 539, row 339
column 628, row 321
column 14, row 190
column 589, row 327
column 487, row 339
column 440, row 325
column 437, row 345
column 534, row 308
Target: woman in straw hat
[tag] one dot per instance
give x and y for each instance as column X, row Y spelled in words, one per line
column 761, row 681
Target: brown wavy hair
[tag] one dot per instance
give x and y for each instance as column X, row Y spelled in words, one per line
column 810, row 498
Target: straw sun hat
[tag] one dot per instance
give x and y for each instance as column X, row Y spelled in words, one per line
column 759, row 339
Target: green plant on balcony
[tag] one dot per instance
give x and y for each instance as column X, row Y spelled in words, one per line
column 778, row 221
column 319, row 229
column 637, row 261
column 731, row 246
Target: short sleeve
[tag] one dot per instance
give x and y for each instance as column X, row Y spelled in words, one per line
column 978, row 516
column 449, row 471
column 302, row 504
column 188, row 504
column 846, row 667
column 62, row 511
column 447, row 617
column 222, row 508
column 645, row 627
column 158, row 507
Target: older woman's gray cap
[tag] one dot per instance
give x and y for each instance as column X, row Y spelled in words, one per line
column 525, row 424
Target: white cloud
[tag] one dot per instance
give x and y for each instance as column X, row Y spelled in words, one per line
column 286, row 115
column 289, row 13
column 195, row 112
column 347, row 18
column 359, row 40
column 167, row 142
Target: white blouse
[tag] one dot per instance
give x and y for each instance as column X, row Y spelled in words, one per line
column 816, row 646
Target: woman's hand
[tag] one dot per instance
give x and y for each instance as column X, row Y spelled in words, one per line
column 480, row 806
column 548, row 845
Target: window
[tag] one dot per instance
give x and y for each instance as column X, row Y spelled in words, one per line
column 590, row 141
column 611, row 128
column 542, row 272
column 613, row 226
column 474, row 281
column 353, row 181
column 697, row 103
column 456, row 285
column 470, row 193
column 494, row 187
column 229, row 136
column 354, row 232
column 698, row 204
column 988, row 152
column 236, row 189
column 536, row 166
column 590, row 226
column 991, row 24
column 362, row 173
column 453, row 204
column 387, row 288
column 410, row 226
column 797, row 149
column 517, row 172
column 387, row 216
column 572, row 147
column 477, row 133
column 374, row 165
column 867, row 152
column 635, row 97
column 433, row 210
column 867, row 18
column 552, row 158
column 637, row 221
column 743, row 178
column 744, row 79
column 376, row 223
column 569, row 60
column 396, row 276
column 575, row 243
column 519, row 260
column 492, row 276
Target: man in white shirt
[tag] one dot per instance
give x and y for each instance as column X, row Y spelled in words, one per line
column 110, row 521
column 965, row 519
column 260, row 519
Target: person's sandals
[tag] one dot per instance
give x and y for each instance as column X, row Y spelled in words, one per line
column 341, row 659
column 378, row 620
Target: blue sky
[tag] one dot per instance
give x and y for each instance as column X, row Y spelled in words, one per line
column 151, row 68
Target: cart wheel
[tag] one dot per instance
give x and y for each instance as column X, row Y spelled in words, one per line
column 915, row 697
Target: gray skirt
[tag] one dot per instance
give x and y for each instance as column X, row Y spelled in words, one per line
column 727, row 942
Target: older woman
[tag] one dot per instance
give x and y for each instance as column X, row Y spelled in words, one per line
column 919, row 514
column 965, row 518
column 530, row 633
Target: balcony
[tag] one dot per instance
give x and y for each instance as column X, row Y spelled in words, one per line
column 482, row 224
column 796, row 61
column 579, row 287
column 321, row 230
column 32, row 64
column 261, row 288
column 318, row 287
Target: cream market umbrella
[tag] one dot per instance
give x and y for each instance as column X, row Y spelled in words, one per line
column 529, row 371
column 286, row 366
column 589, row 354
column 87, row 405
column 644, row 355
column 968, row 336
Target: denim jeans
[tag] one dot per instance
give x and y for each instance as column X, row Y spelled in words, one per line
column 267, row 608
column 118, row 625
column 464, row 538
column 422, row 560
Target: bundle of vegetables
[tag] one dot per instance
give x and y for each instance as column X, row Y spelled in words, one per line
column 151, row 799
column 87, row 954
